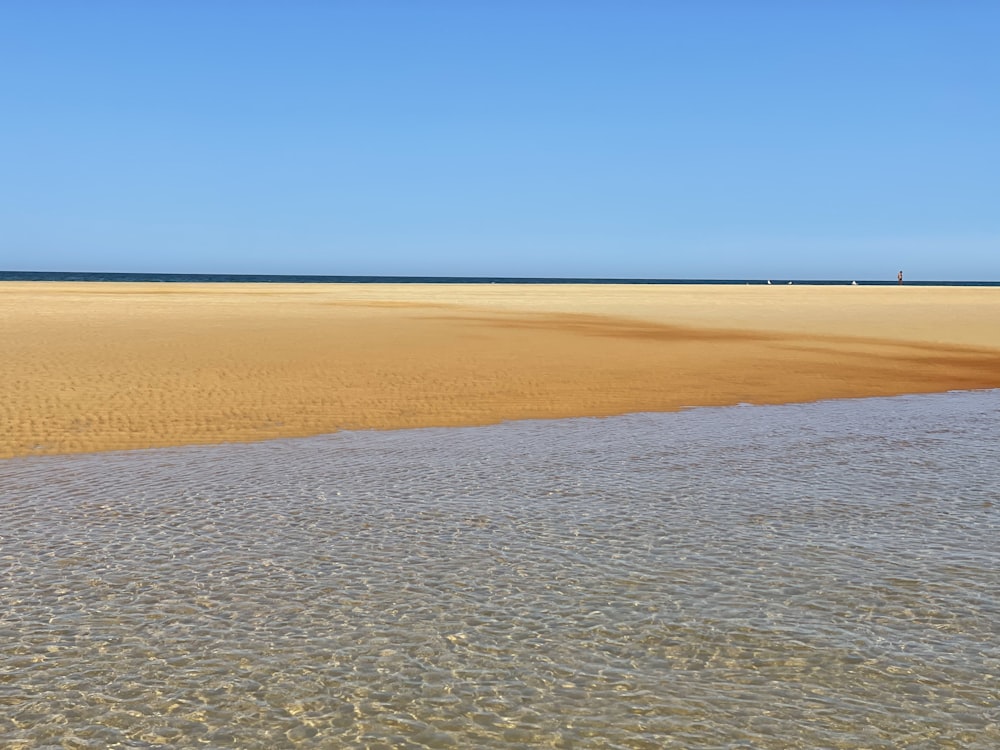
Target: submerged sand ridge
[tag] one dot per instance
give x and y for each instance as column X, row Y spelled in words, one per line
column 108, row 366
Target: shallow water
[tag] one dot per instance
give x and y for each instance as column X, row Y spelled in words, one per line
column 822, row 575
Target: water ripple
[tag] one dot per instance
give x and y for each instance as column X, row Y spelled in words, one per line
column 820, row 575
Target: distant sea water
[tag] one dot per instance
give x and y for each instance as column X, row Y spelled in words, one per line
column 820, row 575
column 305, row 279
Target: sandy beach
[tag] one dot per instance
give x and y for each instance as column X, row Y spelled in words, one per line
column 111, row 366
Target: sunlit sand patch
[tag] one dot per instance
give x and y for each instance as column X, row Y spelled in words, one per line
column 107, row 366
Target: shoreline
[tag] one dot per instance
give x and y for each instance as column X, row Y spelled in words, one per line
column 617, row 415
column 104, row 366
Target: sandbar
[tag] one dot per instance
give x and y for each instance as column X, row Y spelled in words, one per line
column 99, row 366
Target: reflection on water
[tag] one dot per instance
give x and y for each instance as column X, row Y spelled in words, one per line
column 821, row 575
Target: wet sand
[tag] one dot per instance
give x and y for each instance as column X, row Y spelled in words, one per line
column 109, row 366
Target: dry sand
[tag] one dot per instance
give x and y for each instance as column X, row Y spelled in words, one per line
column 108, row 366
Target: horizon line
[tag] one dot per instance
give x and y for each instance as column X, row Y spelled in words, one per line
column 181, row 277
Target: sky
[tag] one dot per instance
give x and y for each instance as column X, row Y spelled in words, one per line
column 622, row 139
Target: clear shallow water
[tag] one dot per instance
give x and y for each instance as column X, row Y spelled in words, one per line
column 823, row 575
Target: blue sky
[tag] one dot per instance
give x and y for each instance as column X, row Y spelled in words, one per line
column 613, row 139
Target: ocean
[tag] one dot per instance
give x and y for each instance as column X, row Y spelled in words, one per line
column 308, row 279
column 820, row 575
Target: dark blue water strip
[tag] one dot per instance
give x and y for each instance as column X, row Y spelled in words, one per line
column 307, row 279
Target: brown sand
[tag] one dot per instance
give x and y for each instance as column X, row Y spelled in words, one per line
column 107, row 366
